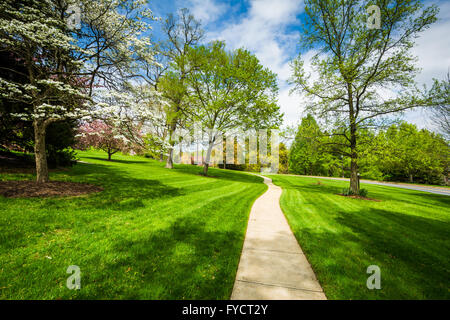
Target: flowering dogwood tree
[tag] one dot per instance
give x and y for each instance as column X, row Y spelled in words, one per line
column 123, row 118
column 37, row 36
column 114, row 41
column 63, row 66
column 135, row 110
column 100, row 135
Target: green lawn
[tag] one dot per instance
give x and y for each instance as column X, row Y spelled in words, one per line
column 407, row 234
column 153, row 233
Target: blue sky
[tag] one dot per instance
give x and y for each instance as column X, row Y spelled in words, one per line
column 270, row 29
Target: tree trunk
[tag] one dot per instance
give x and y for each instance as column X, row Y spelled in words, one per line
column 39, row 152
column 169, row 160
column 354, row 185
column 161, row 154
column 208, row 157
column 354, row 175
column 109, row 155
column 411, row 179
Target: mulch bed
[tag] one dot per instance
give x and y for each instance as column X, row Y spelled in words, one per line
column 28, row 189
column 359, row 197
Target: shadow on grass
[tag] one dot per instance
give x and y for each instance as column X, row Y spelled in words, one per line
column 121, row 191
column 412, row 250
column 116, row 160
column 185, row 260
column 412, row 253
column 222, row 174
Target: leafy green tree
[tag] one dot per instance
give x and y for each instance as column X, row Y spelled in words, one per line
column 305, row 154
column 283, row 153
column 36, row 34
column 354, row 63
column 406, row 153
column 440, row 93
column 230, row 90
column 182, row 32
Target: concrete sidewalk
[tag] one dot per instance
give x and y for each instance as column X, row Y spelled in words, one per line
column 272, row 264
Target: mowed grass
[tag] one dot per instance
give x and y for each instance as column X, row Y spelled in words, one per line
column 406, row 234
column 153, row 233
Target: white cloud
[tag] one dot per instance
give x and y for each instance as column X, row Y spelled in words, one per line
column 433, row 52
column 264, row 32
column 433, row 48
column 291, row 105
column 206, row 10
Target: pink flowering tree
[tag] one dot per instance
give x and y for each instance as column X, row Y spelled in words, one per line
column 103, row 136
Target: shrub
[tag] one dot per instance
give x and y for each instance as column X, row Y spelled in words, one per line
column 348, row 192
column 363, row 192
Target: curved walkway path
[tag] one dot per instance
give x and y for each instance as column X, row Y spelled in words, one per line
column 272, row 264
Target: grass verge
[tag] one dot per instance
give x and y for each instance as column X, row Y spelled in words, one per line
column 406, row 234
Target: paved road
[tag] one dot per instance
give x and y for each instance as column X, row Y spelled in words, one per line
column 430, row 189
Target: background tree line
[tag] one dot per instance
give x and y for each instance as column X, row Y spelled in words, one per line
column 400, row 152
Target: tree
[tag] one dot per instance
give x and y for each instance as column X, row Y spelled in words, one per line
column 440, row 93
column 229, row 90
column 354, row 63
column 404, row 153
column 36, row 34
column 131, row 112
column 100, row 135
column 305, row 154
column 62, row 66
column 313, row 151
column 284, row 158
column 112, row 41
column 182, row 32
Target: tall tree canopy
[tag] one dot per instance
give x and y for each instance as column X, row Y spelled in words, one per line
column 230, row 90
column 182, row 33
column 355, row 64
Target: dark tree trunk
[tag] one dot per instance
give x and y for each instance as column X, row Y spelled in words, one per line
column 354, row 185
column 39, row 152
